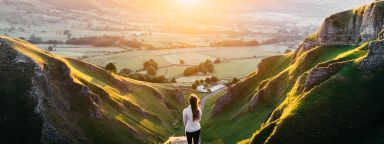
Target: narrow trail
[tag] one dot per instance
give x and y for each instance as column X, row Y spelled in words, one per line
column 183, row 139
column 204, row 99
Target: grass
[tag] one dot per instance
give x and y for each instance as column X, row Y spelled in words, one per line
column 229, row 70
column 312, row 37
column 239, row 52
column 239, row 124
column 171, row 72
column 317, row 55
column 282, row 78
column 343, row 109
column 190, row 58
column 133, row 60
column 132, row 111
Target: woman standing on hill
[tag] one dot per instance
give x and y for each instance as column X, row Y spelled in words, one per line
column 191, row 118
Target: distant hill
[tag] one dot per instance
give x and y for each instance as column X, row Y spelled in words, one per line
column 327, row 91
column 45, row 98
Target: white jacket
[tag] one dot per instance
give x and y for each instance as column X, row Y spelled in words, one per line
column 190, row 125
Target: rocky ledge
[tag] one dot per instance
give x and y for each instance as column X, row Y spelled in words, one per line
column 375, row 57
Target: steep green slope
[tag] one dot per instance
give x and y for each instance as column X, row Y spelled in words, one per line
column 226, row 124
column 317, row 95
column 337, row 100
column 49, row 99
column 244, row 113
column 346, row 108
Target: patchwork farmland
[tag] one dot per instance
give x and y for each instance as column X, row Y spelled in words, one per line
column 169, row 60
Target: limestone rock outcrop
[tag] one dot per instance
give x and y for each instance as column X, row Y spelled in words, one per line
column 319, row 74
column 349, row 27
column 375, row 57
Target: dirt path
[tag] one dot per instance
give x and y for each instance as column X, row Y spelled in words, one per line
column 204, row 99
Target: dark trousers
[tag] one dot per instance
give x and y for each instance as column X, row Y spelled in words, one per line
column 193, row 135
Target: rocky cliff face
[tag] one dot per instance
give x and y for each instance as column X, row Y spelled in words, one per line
column 50, row 92
column 48, row 99
column 321, row 73
column 349, row 27
column 375, row 57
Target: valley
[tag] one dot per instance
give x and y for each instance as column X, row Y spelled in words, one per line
column 123, row 71
column 169, row 60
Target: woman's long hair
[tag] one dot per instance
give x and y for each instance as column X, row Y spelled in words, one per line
column 194, row 100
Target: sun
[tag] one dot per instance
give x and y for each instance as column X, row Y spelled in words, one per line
column 188, row 3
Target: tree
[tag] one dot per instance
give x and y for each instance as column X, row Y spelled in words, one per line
column 217, row 61
column 125, row 71
column 50, row 48
column 67, row 33
column 173, row 80
column 235, row 80
column 151, row 71
column 190, row 71
column 194, row 86
column 160, row 79
column 35, row 39
column 151, row 63
column 111, row 67
column 146, row 64
column 208, row 81
column 155, row 65
column 210, row 67
column 214, row 79
column 287, row 51
column 203, row 68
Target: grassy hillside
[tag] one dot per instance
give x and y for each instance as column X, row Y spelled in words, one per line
column 319, row 94
column 346, row 108
column 87, row 104
column 276, row 76
column 229, row 126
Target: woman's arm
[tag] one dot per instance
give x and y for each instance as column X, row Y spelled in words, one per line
column 184, row 118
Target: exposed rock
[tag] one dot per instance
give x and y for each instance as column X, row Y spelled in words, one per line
column 177, row 140
column 19, row 124
column 257, row 99
column 319, row 74
column 353, row 26
column 179, row 96
column 51, row 135
column 224, row 100
column 348, row 27
column 47, row 99
column 375, row 57
column 266, row 92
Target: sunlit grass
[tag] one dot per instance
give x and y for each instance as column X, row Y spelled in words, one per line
column 123, row 110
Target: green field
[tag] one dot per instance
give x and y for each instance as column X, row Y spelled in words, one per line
column 133, row 60
column 233, row 59
column 235, row 68
column 241, row 52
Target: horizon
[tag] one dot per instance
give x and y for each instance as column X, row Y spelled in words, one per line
column 125, row 71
